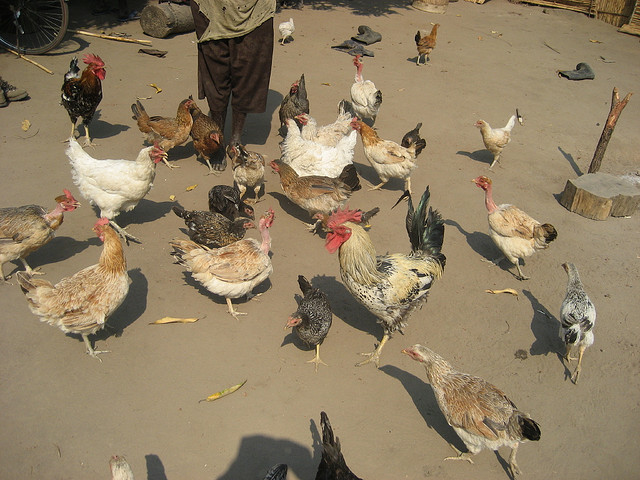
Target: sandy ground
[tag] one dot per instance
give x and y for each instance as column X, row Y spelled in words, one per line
column 64, row 414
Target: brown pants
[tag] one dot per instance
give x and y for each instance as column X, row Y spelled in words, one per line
column 239, row 67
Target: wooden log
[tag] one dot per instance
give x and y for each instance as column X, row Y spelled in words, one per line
column 431, row 6
column 600, row 195
column 165, row 19
column 607, row 131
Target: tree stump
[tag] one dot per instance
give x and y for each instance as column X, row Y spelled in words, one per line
column 431, row 6
column 600, row 195
column 164, row 19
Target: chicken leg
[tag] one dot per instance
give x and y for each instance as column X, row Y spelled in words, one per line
column 460, row 455
column 513, row 466
column 576, row 374
column 87, row 137
column 90, row 350
column 375, row 355
column 496, row 159
column 316, row 359
column 234, row 313
column 123, row 232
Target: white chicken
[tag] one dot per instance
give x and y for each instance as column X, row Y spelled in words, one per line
column 495, row 139
column 328, row 135
column 231, row 271
column 286, row 30
column 577, row 318
column 308, row 157
column 365, row 97
column 114, row 186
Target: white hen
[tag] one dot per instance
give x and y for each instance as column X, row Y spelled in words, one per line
column 328, row 135
column 365, row 97
column 286, row 30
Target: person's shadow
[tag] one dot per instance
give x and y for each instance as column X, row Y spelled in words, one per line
column 258, row 126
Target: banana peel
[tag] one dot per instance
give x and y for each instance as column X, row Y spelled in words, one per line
column 223, row 393
column 158, row 89
column 165, row 320
column 505, row 290
column 191, row 187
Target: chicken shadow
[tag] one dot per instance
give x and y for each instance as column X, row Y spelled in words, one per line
column 145, row 211
column 425, row 401
column 258, row 453
column 370, row 177
column 155, row 468
column 101, row 129
column 482, row 156
column 291, row 208
column 479, row 242
column 58, row 250
column 258, row 290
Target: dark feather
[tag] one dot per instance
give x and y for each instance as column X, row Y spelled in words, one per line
column 277, row 472
column 332, row 466
column 530, row 429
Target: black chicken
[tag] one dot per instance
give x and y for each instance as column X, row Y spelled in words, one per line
column 294, row 103
column 225, row 200
column 277, row 472
column 212, row 229
column 332, row 466
column 312, row 320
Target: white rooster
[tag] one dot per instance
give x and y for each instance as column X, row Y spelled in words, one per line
column 286, row 30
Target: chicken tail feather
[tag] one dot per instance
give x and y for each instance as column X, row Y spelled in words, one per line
column 530, row 429
column 349, row 177
column 305, row 286
column 24, row 279
column 426, row 230
column 277, row 472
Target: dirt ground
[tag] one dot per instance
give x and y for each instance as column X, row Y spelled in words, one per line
column 64, row 413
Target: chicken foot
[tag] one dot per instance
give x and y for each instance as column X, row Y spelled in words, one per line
column 316, row 359
column 375, row 355
column 576, row 374
column 460, row 455
column 123, row 232
column 90, row 350
column 496, row 159
column 513, row 466
column 234, row 313
column 165, row 159
column 497, row 261
column 379, row 186
column 87, row 137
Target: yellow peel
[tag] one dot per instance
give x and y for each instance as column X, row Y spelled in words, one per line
column 165, row 320
column 191, row 187
column 158, row 89
column 223, row 393
column 172, row 198
column 26, row 124
column 506, row 290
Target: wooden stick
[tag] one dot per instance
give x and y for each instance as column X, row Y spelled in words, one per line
column 607, row 131
column 110, row 37
column 29, row 60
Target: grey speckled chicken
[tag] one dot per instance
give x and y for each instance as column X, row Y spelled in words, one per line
column 211, row 229
column 332, row 466
column 577, row 316
column 312, row 320
column 294, row 103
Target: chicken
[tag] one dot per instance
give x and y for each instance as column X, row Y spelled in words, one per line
column 387, row 158
column 294, row 103
column 25, row 229
column 167, row 132
column 277, row 472
column 495, row 139
column 365, row 97
column 329, row 135
column 332, row 465
column 308, row 157
column 515, row 233
column 577, row 318
column 226, row 200
column 208, row 139
column 286, row 30
column 231, row 271
column 82, row 93
column 312, row 320
column 114, row 186
column 411, row 137
column 83, row 302
column 211, row 229
column 120, row 469
column 248, row 169
column 426, row 44
column 481, row 414
column 390, row 286
column 314, row 193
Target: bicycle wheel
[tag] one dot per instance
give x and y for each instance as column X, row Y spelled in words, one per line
column 33, row 26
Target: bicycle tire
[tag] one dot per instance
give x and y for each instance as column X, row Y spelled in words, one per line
column 43, row 22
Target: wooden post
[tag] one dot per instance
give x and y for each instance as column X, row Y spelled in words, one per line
column 614, row 113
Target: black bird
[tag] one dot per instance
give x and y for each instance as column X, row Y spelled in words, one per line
column 332, row 466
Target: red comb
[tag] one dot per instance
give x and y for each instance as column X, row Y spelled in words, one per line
column 67, row 194
column 346, row 215
column 102, row 221
column 91, row 59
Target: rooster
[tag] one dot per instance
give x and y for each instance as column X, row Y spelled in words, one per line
column 114, row 186
column 82, row 303
column 248, row 169
column 515, row 233
column 231, row 271
column 25, row 229
column 168, row 132
column 82, row 93
column 426, row 44
column 495, row 139
column 332, row 465
column 294, row 103
column 365, row 97
column 387, row 158
column 390, row 286
column 481, row 414
column 208, row 139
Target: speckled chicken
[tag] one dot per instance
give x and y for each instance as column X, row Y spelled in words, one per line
column 577, row 318
column 312, row 320
column 390, row 286
column 248, row 169
column 481, row 414
column 82, row 303
column 25, row 229
column 211, row 229
column 226, row 200
column 332, row 465
column 294, row 103
column 231, row 271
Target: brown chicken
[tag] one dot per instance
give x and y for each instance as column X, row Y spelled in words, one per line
column 515, row 233
column 426, row 44
column 387, row 158
column 294, row 103
column 208, row 139
column 211, row 229
column 248, row 169
column 314, row 193
column 82, row 303
column 231, row 271
column 390, row 286
column 25, row 229
column 481, row 414
column 166, row 132
column 82, row 93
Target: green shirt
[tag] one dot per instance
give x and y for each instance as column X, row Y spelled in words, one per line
column 234, row 18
